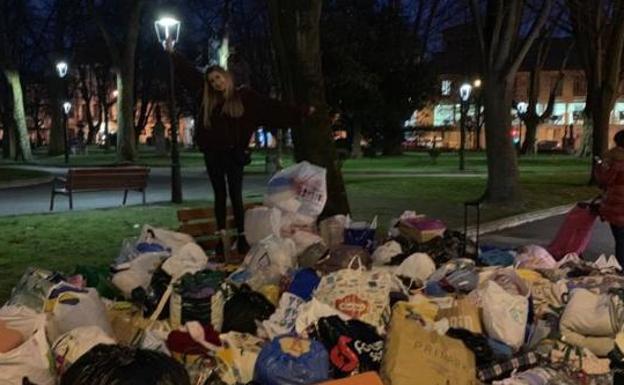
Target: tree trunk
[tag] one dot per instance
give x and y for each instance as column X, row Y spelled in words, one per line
column 126, row 147
column 19, row 115
column 585, row 149
column 600, row 133
column 528, row 146
column 8, row 137
column 56, row 139
column 502, row 185
column 356, row 147
column 295, row 27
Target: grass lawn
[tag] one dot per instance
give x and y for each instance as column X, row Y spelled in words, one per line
column 8, row 174
column 61, row 240
column 419, row 162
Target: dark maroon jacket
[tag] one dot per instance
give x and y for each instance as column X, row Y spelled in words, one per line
column 610, row 176
column 227, row 132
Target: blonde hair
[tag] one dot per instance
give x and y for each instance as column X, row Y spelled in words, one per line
column 232, row 103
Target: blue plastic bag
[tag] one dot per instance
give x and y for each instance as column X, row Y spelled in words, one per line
column 304, row 283
column 361, row 234
column 290, row 360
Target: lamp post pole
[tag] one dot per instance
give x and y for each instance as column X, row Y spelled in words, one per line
column 176, row 178
column 464, row 95
column 61, row 69
column 168, row 33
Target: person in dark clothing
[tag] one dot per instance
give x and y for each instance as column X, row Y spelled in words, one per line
column 228, row 117
column 610, row 176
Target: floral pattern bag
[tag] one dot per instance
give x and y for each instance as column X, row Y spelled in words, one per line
column 359, row 293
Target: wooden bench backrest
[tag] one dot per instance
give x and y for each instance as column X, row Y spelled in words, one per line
column 110, row 177
column 200, row 223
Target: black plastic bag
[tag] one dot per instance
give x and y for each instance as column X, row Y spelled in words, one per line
column 118, row 365
column 352, row 345
column 241, row 312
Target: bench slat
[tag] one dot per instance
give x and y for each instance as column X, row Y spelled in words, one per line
column 206, row 213
column 127, row 178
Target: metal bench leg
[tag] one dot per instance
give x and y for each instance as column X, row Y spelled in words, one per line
column 52, row 200
column 125, row 197
column 143, row 192
column 71, row 200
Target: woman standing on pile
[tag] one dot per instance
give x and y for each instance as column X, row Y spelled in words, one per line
column 228, row 117
column 610, row 175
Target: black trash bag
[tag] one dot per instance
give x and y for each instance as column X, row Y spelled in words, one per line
column 120, row 365
column 440, row 249
column 148, row 299
column 352, row 345
column 241, row 312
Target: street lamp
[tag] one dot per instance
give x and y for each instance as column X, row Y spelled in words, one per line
column 464, row 95
column 168, row 32
column 61, row 70
column 522, row 108
column 477, row 83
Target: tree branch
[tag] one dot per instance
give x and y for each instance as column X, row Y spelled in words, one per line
column 526, row 45
column 114, row 50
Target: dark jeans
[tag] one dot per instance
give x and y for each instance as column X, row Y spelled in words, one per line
column 225, row 167
column 618, row 234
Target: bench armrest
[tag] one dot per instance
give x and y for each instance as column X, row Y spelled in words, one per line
column 59, row 180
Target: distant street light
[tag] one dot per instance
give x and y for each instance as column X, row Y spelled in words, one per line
column 67, row 107
column 464, row 95
column 168, row 33
column 61, row 70
column 477, row 83
column 522, row 107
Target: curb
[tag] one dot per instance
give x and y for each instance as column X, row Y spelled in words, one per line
column 26, row 182
column 518, row 220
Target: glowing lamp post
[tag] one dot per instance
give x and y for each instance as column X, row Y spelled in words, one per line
column 61, row 70
column 168, row 33
column 464, row 95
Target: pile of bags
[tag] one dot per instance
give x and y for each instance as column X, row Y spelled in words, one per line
column 318, row 302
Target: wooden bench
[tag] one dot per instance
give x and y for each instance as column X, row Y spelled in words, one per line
column 100, row 179
column 200, row 223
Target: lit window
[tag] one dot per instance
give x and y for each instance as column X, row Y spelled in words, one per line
column 446, row 87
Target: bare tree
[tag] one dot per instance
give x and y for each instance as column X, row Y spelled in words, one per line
column 296, row 37
column 531, row 118
column 123, row 54
column 503, row 48
column 599, row 33
column 12, row 15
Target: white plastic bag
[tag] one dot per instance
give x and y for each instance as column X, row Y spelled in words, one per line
column 236, row 359
column 266, row 263
column 261, row 222
column 138, row 272
column 504, row 315
column 534, row 257
column 303, row 240
column 384, row 253
column 418, row 266
column 332, row 230
column 190, row 258
column 171, row 240
column 72, row 345
column 32, row 358
column 284, row 318
column 301, row 188
column 73, row 309
column 310, row 312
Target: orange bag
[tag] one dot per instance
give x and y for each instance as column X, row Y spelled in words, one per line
column 368, row 378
